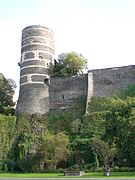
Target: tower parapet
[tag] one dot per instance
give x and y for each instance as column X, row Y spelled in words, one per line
column 37, row 52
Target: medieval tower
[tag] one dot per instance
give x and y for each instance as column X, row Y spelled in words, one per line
column 40, row 94
column 37, row 52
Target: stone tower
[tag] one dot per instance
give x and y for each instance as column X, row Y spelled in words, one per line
column 37, row 52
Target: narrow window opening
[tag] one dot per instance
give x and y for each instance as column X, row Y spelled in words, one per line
column 40, row 57
column 46, row 81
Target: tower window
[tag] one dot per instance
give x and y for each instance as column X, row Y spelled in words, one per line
column 46, row 81
column 40, row 57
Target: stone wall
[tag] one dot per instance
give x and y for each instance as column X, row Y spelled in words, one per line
column 64, row 92
column 109, row 81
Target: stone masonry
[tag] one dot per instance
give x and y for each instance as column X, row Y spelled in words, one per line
column 40, row 94
column 37, row 51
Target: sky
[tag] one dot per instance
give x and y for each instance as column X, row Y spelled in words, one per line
column 102, row 30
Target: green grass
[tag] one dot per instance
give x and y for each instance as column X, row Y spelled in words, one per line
column 60, row 175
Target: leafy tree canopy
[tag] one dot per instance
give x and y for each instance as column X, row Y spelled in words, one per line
column 7, row 89
column 68, row 64
column 53, row 149
column 120, row 126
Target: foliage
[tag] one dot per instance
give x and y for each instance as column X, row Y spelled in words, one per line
column 68, row 64
column 102, row 150
column 81, row 152
column 66, row 121
column 94, row 123
column 35, row 148
column 53, row 149
column 120, row 127
column 6, row 95
column 98, row 104
column 80, row 107
column 105, row 135
column 60, row 122
column 116, row 116
column 7, row 135
column 25, row 148
column 129, row 91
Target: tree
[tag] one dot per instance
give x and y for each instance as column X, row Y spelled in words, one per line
column 68, row 64
column 7, row 89
column 7, row 136
column 24, row 153
column 81, row 152
column 103, row 151
column 120, row 127
column 53, row 149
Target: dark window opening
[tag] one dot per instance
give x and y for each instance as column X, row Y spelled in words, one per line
column 46, row 81
column 40, row 57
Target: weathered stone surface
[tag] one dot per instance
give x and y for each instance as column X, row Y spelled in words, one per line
column 37, row 52
column 74, row 173
column 32, row 62
column 65, row 91
column 23, row 79
column 101, row 82
column 33, row 47
column 33, row 70
column 38, row 78
column 111, row 80
column 33, row 99
column 29, row 55
column 40, row 94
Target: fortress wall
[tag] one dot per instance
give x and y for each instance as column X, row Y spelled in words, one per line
column 65, row 91
column 111, row 80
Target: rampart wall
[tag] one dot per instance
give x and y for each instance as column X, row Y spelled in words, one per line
column 106, row 82
column 98, row 82
column 64, row 92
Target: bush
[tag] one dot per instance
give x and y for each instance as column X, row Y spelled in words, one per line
column 122, row 169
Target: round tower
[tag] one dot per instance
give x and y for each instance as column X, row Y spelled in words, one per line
column 37, row 52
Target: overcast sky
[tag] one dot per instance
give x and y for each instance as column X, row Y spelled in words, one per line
column 102, row 30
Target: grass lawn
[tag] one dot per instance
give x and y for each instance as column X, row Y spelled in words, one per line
column 60, row 175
